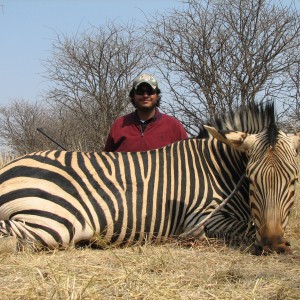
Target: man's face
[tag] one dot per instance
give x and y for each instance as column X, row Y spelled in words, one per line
column 145, row 97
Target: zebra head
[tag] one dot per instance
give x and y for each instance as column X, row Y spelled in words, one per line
column 272, row 171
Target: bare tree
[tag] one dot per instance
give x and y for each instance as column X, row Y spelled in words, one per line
column 18, row 127
column 290, row 102
column 221, row 54
column 91, row 73
column 20, row 121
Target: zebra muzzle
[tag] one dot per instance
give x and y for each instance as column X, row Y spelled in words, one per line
column 268, row 246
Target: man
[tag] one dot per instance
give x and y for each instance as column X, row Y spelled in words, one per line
column 146, row 128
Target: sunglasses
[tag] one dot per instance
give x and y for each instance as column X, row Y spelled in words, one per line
column 142, row 92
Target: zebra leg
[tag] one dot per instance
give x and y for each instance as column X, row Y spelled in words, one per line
column 30, row 236
column 13, row 231
column 195, row 230
column 220, row 225
column 224, row 225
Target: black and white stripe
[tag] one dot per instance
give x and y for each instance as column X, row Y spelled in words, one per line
column 60, row 198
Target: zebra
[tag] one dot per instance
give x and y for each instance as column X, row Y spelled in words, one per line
column 61, row 198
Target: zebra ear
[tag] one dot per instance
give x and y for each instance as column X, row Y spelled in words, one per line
column 296, row 141
column 235, row 139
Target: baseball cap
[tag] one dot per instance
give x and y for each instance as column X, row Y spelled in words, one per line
column 144, row 78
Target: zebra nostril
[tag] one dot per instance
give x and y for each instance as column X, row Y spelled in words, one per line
column 283, row 248
column 256, row 250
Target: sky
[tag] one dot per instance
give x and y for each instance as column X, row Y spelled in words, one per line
column 28, row 29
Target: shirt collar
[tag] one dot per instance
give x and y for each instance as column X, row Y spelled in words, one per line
column 156, row 116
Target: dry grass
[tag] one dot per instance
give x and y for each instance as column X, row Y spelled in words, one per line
column 149, row 272
column 204, row 271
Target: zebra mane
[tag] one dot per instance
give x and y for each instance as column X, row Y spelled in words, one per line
column 254, row 119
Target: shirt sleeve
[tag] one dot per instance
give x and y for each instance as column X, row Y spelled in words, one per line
column 109, row 143
column 181, row 133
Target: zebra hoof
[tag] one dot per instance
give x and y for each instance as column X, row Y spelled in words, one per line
column 8, row 244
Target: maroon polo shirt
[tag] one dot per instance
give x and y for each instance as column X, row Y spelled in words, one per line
column 127, row 135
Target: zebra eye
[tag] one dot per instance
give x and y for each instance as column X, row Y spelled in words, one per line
column 294, row 181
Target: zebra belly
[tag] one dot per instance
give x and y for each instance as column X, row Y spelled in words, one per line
column 57, row 218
